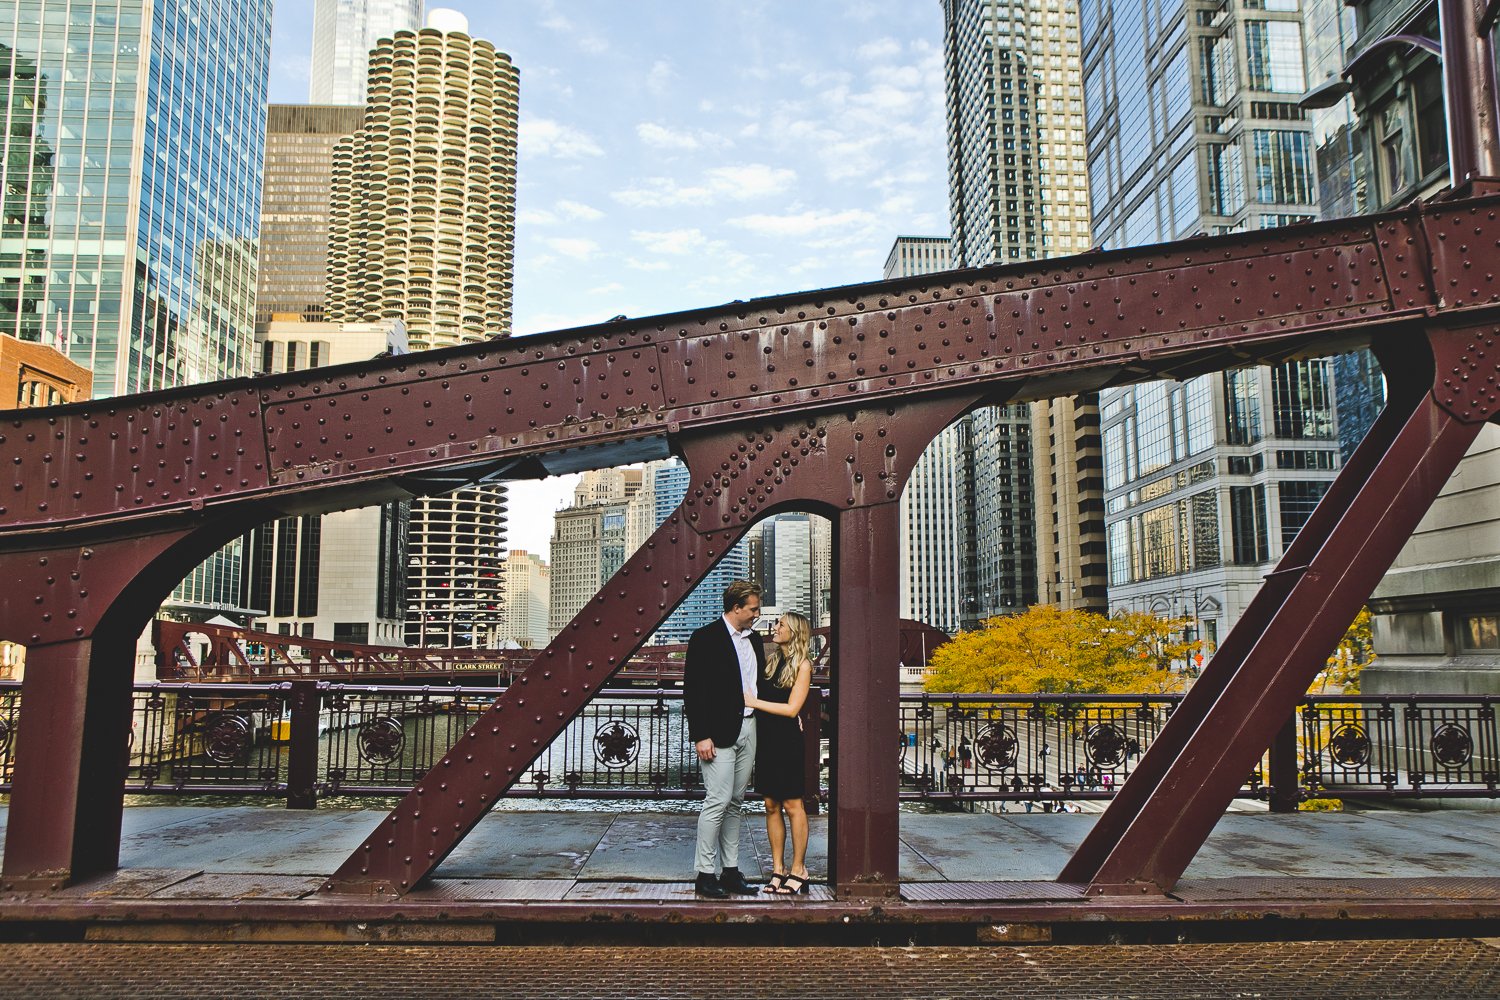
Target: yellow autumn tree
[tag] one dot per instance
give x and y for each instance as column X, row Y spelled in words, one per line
column 1049, row 650
column 1355, row 651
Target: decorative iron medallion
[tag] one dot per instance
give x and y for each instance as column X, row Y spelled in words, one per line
column 997, row 747
column 226, row 738
column 1452, row 746
column 616, row 744
column 1104, row 745
column 1349, row 746
column 381, row 739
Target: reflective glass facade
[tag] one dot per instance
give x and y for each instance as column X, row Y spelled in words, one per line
column 706, row 602
column 344, row 32
column 1194, row 127
column 134, row 137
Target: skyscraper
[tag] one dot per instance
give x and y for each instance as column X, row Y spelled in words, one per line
column 300, row 140
column 1194, row 126
column 131, row 176
column 133, row 137
column 422, row 229
column 344, row 32
column 528, row 595
column 1018, row 191
column 589, row 540
column 422, row 224
column 670, row 483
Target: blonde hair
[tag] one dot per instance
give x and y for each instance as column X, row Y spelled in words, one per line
column 781, row 666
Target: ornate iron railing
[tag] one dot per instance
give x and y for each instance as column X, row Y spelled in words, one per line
column 306, row 739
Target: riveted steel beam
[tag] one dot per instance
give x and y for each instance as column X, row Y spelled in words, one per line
column 187, row 463
column 844, row 465
column 1150, row 833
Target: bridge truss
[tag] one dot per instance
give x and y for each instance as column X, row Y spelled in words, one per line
column 820, row 402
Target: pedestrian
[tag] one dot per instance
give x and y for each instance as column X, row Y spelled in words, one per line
column 724, row 658
column 780, row 750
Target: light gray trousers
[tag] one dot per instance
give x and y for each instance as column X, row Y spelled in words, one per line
column 724, row 781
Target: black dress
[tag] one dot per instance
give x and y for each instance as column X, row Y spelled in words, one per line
column 779, row 753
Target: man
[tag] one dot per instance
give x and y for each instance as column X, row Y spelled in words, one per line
column 724, row 658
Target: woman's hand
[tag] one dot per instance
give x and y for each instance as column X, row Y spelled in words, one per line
column 752, row 698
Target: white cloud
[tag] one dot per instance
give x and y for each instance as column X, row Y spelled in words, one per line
column 578, row 211
column 544, row 137
column 832, row 228
column 636, row 264
column 535, row 217
column 576, row 248
column 732, row 183
column 880, row 48
column 607, row 289
column 672, row 241
column 661, row 137
column 660, row 78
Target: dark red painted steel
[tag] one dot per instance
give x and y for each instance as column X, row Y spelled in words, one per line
column 737, row 477
column 1148, row 848
column 1257, row 617
column 342, row 436
column 200, row 464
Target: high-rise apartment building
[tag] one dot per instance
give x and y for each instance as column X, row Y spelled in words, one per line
column 422, row 229
column 589, row 540
column 298, row 186
column 787, row 553
column 344, row 32
column 422, row 224
column 1194, row 126
column 338, row 576
column 937, row 507
column 130, row 174
column 528, row 597
column 1018, row 191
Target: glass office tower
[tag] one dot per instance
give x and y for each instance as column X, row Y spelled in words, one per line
column 1194, row 126
column 133, row 142
column 344, row 32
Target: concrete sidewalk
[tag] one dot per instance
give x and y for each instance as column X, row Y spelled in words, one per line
column 576, row 846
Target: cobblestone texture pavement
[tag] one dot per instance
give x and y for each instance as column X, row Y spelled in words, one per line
column 1431, row 970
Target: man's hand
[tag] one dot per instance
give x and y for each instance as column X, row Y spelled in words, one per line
column 705, row 750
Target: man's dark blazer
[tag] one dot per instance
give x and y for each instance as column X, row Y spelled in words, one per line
column 712, row 695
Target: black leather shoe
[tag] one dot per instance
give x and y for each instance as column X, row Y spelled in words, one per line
column 708, row 885
column 732, row 881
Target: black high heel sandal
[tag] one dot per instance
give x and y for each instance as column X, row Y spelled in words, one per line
column 774, row 885
column 793, row 885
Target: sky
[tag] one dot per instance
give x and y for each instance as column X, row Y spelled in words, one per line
column 677, row 154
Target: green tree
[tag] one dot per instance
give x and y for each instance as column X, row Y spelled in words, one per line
column 1049, row 650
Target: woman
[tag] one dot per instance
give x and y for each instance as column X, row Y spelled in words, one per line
column 779, row 754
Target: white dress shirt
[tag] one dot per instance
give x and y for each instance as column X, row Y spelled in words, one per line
column 746, row 654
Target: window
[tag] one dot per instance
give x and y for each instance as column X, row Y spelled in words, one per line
column 1394, row 167
column 1273, row 56
column 1283, row 168
column 1478, row 633
column 1298, row 498
column 1242, row 406
column 1247, row 514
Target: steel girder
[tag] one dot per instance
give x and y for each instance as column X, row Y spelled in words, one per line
column 112, row 502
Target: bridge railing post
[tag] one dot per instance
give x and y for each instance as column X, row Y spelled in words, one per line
column 812, row 741
column 1285, row 791
column 305, row 699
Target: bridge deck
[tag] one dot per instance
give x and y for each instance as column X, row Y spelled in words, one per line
column 194, row 873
